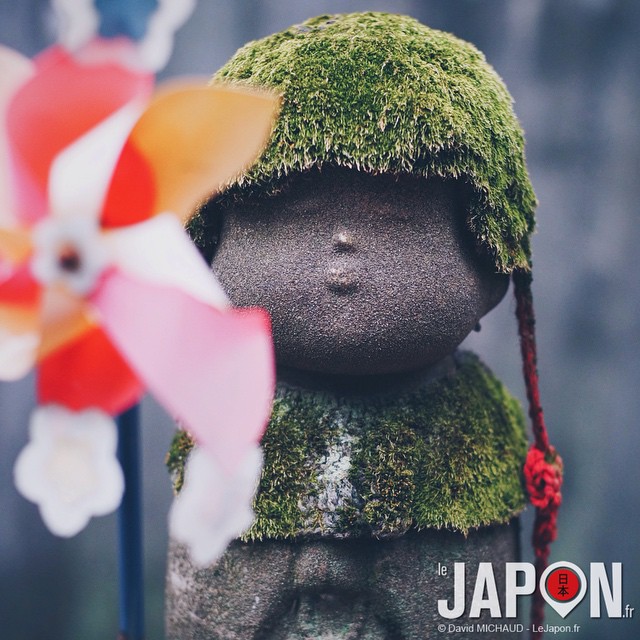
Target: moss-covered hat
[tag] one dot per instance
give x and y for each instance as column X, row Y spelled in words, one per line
column 384, row 93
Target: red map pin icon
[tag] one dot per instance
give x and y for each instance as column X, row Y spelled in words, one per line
column 563, row 586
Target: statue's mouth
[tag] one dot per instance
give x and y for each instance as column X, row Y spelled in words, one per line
column 341, row 281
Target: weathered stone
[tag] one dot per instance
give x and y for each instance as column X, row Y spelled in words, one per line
column 411, row 286
column 363, row 589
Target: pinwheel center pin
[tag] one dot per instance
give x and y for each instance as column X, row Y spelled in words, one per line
column 70, row 252
column 69, row 258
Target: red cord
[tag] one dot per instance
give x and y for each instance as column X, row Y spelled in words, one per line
column 543, row 466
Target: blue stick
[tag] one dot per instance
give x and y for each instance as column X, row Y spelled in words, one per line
column 131, row 561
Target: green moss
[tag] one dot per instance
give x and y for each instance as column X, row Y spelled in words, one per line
column 383, row 93
column 298, row 433
column 448, row 457
column 448, row 454
column 176, row 458
column 383, row 470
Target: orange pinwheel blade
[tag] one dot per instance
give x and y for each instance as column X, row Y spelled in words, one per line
column 19, row 318
column 15, row 245
column 19, row 300
column 64, row 318
column 194, row 140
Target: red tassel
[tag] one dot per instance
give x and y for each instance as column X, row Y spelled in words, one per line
column 543, row 478
column 543, row 466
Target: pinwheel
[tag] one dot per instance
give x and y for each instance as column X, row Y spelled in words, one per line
column 102, row 290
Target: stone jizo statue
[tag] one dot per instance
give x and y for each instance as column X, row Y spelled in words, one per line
column 378, row 228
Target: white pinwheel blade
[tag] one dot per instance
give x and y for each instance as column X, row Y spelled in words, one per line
column 159, row 251
column 81, row 173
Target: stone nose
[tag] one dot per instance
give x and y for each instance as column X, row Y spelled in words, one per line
column 344, row 242
column 341, row 280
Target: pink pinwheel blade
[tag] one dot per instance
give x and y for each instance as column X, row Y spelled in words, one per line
column 14, row 70
column 213, row 370
column 60, row 102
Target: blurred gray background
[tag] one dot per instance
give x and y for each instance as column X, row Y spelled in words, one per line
column 573, row 68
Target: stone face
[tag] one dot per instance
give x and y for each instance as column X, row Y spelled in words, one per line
column 362, row 274
column 362, row 589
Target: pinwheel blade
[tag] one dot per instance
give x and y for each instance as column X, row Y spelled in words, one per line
column 15, row 247
column 196, row 139
column 80, row 174
column 18, row 289
column 19, row 322
column 160, row 252
column 14, row 71
column 88, row 373
column 217, row 378
column 64, row 318
column 59, row 103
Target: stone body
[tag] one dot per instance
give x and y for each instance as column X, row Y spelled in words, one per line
column 379, row 226
column 359, row 589
column 346, row 541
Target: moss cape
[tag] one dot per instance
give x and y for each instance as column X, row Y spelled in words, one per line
column 445, row 454
column 384, row 93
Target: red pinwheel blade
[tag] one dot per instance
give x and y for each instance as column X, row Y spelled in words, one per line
column 19, row 287
column 125, row 205
column 88, row 372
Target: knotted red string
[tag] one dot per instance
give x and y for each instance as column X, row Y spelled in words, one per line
column 543, row 478
column 543, row 466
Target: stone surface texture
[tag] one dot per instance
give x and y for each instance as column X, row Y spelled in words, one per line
column 332, row 590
